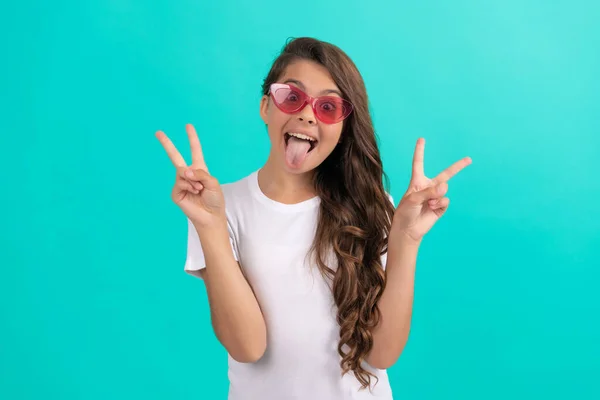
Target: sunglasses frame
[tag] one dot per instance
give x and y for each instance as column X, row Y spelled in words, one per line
column 312, row 101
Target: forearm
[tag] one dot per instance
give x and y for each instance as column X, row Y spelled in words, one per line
column 235, row 314
column 396, row 303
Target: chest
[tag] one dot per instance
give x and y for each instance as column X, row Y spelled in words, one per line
column 275, row 257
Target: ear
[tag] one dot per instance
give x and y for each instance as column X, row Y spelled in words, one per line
column 264, row 106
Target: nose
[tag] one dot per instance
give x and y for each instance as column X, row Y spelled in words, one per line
column 307, row 115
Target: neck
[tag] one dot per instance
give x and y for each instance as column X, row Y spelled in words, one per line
column 284, row 187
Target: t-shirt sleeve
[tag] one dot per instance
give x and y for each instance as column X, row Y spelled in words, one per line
column 391, row 200
column 384, row 256
column 194, row 261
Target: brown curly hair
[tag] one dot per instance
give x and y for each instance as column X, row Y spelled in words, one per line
column 355, row 211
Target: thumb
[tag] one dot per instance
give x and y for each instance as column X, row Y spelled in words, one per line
column 431, row 192
column 200, row 175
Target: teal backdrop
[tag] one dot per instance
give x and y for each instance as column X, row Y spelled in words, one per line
column 94, row 302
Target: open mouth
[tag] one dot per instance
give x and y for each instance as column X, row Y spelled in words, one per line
column 299, row 136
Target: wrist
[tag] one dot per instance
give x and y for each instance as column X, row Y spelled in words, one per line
column 401, row 239
column 215, row 229
column 403, row 251
column 215, row 240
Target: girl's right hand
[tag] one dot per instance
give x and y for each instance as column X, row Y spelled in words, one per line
column 196, row 192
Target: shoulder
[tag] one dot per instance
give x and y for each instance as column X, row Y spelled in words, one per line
column 235, row 188
column 238, row 196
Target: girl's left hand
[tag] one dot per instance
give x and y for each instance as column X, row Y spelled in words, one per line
column 424, row 202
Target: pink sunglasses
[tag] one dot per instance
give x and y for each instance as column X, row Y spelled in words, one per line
column 327, row 109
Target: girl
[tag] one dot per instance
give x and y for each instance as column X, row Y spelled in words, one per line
column 308, row 266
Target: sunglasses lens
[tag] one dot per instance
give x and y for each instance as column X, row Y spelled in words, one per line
column 289, row 100
column 332, row 109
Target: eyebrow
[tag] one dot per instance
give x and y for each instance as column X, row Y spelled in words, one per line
column 323, row 92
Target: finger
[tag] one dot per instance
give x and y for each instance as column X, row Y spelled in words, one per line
column 181, row 174
column 197, row 185
column 176, row 158
column 430, row 193
column 417, row 167
column 442, row 208
column 197, row 155
column 202, row 176
column 440, row 203
column 183, row 185
column 452, row 170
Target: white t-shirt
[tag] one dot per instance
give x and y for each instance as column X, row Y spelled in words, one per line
column 270, row 240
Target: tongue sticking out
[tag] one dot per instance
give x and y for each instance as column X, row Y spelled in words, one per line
column 296, row 151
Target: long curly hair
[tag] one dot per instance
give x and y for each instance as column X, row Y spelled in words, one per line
column 355, row 212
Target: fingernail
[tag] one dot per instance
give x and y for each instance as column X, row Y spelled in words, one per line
column 440, row 188
column 189, row 173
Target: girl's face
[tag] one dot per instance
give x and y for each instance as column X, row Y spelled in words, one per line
column 300, row 141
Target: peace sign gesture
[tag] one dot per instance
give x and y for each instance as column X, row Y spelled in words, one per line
column 195, row 191
column 424, row 202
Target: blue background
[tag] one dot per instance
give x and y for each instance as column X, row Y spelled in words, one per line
column 94, row 303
